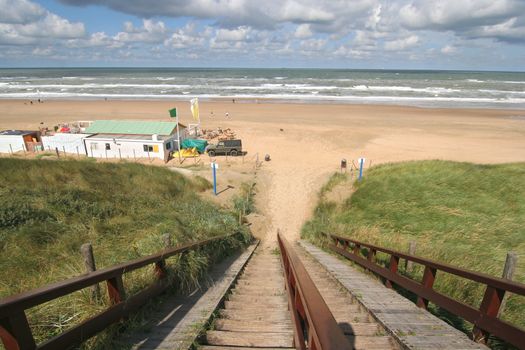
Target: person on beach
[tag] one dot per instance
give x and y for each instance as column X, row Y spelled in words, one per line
column 227, row 115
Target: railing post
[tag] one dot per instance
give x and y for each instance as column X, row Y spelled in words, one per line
column 489, row 307
column 16, row 333
column 116, row 290
column 160, row 269
column 371, row 255
column 409, row 265
column 394, row 263
column 428, row 281
column 357, row 248
column 508, row 273
column 86, row 250
column 494, row 299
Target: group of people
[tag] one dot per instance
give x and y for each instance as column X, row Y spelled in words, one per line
column 31, row 101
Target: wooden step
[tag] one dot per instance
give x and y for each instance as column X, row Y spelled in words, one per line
column 254, row 299
column 247, row 339
column 255, row 316
column 270, row 276
column 257, row 290
column 270, row 304
column 252, row 326
column 261, row 283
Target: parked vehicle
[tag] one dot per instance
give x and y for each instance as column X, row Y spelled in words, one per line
column 226, row 147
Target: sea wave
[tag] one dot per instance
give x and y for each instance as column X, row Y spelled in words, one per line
column 293, row 97
column 433, row 90
column 94, row 86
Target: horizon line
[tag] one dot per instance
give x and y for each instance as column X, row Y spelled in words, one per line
column 270, row 68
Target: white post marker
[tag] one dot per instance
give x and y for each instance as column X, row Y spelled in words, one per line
column 214, row 166
column 361, row 162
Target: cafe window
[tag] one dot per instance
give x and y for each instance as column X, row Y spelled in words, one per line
column 148, row 148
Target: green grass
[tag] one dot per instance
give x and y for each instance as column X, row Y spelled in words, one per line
column 48, row 209
column 464, row 214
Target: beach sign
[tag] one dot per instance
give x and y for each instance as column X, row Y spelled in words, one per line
column 214, row 167
column 173, row 113
column 361, row 162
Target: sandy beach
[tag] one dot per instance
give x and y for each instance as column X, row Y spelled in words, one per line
column 313, row 140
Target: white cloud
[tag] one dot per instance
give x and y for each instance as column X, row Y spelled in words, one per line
column 448, row 49
column 311, row 12
column 349, row 52
column 471, row 18
column 150, row 32
column 402, row 44
column 313, row 44
column 238, row 34
column 303, row 31
column 291, row 29
column 28, row 23
column 51, row 26
column 510, row 31
column 188, row 37
column 40, row 51
column 450, row 14
column 98, row 39
column 20, row 11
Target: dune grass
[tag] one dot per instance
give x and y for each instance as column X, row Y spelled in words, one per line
column 49, row 208
column 464, row 214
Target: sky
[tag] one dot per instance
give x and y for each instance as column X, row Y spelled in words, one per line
column 376, row 34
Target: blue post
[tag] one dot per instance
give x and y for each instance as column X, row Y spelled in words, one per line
column 214, row 179
column 361, row 163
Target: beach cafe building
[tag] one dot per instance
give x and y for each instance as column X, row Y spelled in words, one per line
column 132, row 139
column 12, row 141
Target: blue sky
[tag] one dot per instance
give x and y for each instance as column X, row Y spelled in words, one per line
column 406, row 34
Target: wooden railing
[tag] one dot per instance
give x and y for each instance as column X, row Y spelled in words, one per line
column 315, row 328
column 485, row 319
column 15, row 330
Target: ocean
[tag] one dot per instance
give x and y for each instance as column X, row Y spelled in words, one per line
column 403, row 87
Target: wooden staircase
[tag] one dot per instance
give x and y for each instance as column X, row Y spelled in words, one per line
column 255, row 314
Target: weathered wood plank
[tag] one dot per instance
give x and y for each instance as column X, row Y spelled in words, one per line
column 252, row 326
column 250, row 339
column 408, row 324
column 174, row 325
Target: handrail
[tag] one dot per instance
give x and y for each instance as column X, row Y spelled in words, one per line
column 485, row 319
column 315, row 326
column 15, row 331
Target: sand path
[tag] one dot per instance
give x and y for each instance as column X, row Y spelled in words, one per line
column 313, row 140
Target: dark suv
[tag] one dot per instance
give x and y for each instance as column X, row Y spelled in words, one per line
column 226, row 147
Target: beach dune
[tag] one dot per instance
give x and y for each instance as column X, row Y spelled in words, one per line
column 307, row 141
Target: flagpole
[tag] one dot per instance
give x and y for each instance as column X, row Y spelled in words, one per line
column 178, row 139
